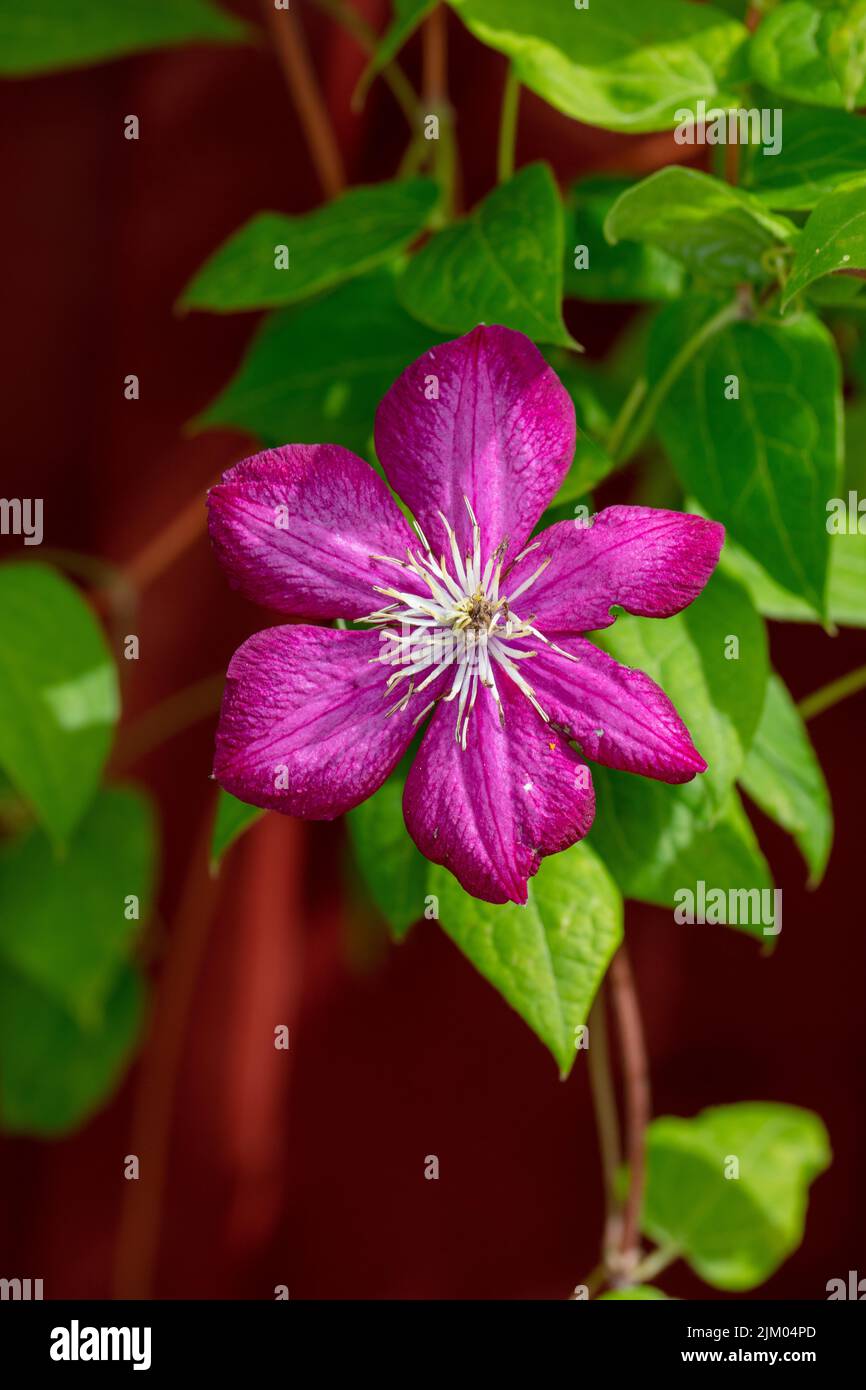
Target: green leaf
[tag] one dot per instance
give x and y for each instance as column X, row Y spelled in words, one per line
column 846, row 591
column 318, row 372
column 233, row 817
column 655, row 838
column 394, row 871
column 640, row 1293
column 765, row 463
column 656, row 841
column 63, row 921
column 733, row 1231
column 408, row 15
column 58, row 694
column 691, row 656
column 814, row 54
column 717, row 231
column 502, row 264
column 782, row 775
column 54, row 1074
column 619, row 64
column 629, row 273
column 44, row 35
column 834, row 238
column 546, row 959
column 359, row 230
column 820, row 150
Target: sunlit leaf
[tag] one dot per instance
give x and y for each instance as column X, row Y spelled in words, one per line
column 729, row 1187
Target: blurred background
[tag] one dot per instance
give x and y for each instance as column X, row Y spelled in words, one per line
column 305, row 1167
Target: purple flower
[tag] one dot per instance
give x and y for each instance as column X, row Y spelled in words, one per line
column 472, row 626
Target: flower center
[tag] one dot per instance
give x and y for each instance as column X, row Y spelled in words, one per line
column 464, row 623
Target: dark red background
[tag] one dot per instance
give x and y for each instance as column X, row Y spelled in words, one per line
column 306, row 1168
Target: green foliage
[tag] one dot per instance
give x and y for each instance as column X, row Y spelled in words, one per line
column 718, row 232
column 834, row 238
column 783, row 776
column 820, row 150
column 620, row 64
column 846, row 591
column 503, row 264
column 317, row 372
column 54, row 1073
column 734, row 1231
column 58, row 695
column 44, row 35
column 656, row 838
column 615, row 272
column 394, row 871
column 232, row 818
column 63, row 920
column 357, row 231
column 546, row 959
column 70, row 999
column 766, row 462
column 809, row 51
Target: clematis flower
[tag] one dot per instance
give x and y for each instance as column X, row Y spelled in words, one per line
column 472, row 629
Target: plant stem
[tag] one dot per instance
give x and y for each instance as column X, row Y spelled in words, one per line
column 606, row 1118
column 178, row 712
column 391, row 73
column 435, row 59
column 168, row 544
column 638, row 1106
column 653, row 1263
column 626, row 415
column 593, row 1281
column 508, row 126
column 730, row 313
column 830, row 695
column 291, row 49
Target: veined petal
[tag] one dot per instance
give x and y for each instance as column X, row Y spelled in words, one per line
column 482, row 417
column 295, row 529
column 304, row 727
column 619, row 717
column 491, row 812
column 648, row 561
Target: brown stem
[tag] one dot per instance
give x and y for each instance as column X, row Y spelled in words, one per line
column 176, row 713
column 638, row 1105
column 291, row 50
column 164, row 548
column 138, row 1238
column 435, row 58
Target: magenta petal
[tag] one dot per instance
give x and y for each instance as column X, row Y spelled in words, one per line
column 303, row 726
column 619, row 717
column 295, row 529
column 648, row 561
column 482, row 417
column 491, row 812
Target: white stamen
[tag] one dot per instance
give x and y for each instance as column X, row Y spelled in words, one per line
column 464, row 624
